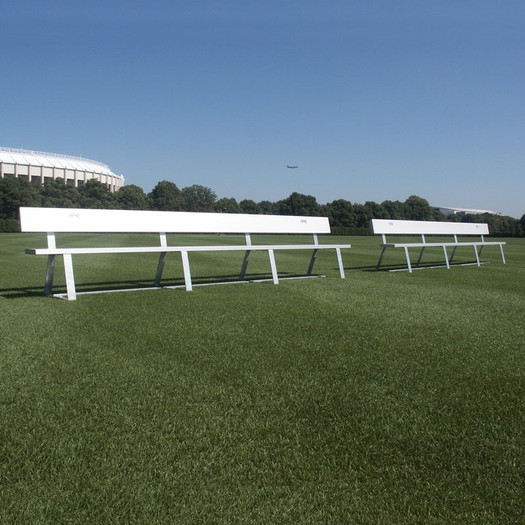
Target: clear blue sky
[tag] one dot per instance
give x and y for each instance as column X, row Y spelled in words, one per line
column 373, row 100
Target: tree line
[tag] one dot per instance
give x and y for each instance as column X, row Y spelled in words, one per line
column 346, row 218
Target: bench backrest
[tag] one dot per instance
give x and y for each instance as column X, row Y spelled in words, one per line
column 399, row 227
column 80, row 220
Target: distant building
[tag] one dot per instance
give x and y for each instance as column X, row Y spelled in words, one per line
column 37, row 167
column 454, row 211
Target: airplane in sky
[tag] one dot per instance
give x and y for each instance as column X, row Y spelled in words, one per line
column 292, row 167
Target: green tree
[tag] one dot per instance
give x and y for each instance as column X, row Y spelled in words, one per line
column 16, row 192
column 341, row 213
column 56, row 194
column 418, row 209
column 132, row 197
column 299, row 204
column 198, row 198
column 249, row 206
column 394, row 209
column 166, row 196
column 378, row 210
column 226, row 205
column 268, row 207
column 95, row 194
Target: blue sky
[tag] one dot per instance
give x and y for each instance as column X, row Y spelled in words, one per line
column 373, row 100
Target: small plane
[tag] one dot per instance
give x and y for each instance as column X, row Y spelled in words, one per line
column 292, row 167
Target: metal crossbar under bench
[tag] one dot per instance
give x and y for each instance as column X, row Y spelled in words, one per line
column 426, row 229
column 77, row 220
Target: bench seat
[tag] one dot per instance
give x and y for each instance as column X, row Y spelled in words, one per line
column 159, row 249
column 68, row 220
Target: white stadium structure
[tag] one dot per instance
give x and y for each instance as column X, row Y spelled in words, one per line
column 37, row 167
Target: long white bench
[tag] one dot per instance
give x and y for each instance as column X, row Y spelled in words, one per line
column 75, row 220
column 423, row 229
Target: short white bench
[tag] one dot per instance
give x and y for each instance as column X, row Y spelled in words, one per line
column 75, row 220
column 386, row 227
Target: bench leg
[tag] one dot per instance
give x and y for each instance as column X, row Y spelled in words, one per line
column 70, row 277
column 160, row 268
column 380, row 258
column 446, row 257
column 502, row 254
column 420, row 256
column 312, row 262
column 50, row 272
column 408, row 260
column 477, row 256
column 454, row 253
column 340, row 262
column 245, row 264
column 273, row 267
column 186, row 268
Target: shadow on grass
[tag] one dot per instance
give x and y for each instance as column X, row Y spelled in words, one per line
column 403, row 266
column 141, row 284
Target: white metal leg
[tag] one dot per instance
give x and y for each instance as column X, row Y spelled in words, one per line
column 380, row 258
column 273, row 266
column 340, row 262
column 187, row 273
column 50, row 272
column 477, row 256
column 420, row 256
column 312, row 262
column 446, row 257
column 160, row 268
column 70, row 277
column 502, row 254
column 245, row 264
column 408, row 260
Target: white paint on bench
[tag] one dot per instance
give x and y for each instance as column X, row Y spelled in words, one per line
column 75, row 220
column 386, row 227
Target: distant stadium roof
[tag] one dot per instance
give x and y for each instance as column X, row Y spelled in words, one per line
column 452, row 211
column 39, row 167
column 52, row 160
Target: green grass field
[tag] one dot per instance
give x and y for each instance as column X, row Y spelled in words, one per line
column 386, row 397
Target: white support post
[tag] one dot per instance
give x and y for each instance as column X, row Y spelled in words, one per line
column 383, row 237
column 455, row 248
column 160, row 268
column 380, row 258
column 51, row 259
column 187, row 272
column 246, row 256
column 408, row 260
column 502, row 254
column 50, row 272
column 481, row 247
column 51, row 241
column 477, row 256
column 340, row 262
column 420, row 255
column 312, row 262
column 446, row 257
column 70, row 277
column 423, row 240
column 273, row 267
column 162, row 259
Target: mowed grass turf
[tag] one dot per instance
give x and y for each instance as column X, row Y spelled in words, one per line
column 381, row 398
